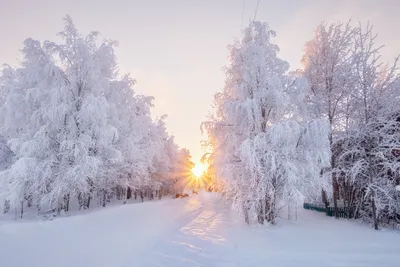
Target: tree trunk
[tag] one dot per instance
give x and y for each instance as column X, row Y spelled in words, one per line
column 269, row 210
column 325, row 199
column 246, row 215
column 119, row 193
column 374, row 211
column 104, row 199
column 66, row 202
column 374, row 215
column 125, row 197
column 29, row 201
column 88, row 202
column 22, row 208
column 260, row 217
column 335, row 187
column 38, row 207
column 6, row 206
column 80, row 201
column 334, row 179
column 129, row 193
column 260, row 213
column 371, row 181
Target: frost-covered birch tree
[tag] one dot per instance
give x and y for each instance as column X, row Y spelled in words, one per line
column 368, row 154
column 265, row 147
column 328, row 63
column 359, row 96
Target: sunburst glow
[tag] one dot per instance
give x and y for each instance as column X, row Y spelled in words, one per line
column 198, row 170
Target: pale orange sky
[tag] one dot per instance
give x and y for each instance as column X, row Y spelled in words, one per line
column 176, row 49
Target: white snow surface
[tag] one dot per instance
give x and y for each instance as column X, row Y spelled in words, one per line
column 196, row 231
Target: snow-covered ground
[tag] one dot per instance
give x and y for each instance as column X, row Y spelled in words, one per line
column 196, row 231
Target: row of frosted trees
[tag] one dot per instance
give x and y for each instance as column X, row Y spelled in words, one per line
column 277, row 138
column 360, row 97
column 71, row 128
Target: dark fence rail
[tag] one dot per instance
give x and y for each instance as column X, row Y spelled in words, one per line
column 343, row 212
column 318, row 208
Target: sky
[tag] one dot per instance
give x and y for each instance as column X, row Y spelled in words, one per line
column 176, row 49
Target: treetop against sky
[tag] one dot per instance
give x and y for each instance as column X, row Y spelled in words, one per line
column 176, row 49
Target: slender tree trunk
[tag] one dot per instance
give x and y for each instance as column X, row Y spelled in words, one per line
column 260, row 212
column 371, row 180
column 119, row 192
column 104, row 198
column 335, row 186
column 6, row 206
column 125, row 198
column 22, row 208
column 260, row 217
column 160, row 194
column 66, row 202
column 270, row 210
column 334, row 179
column 129, row 193
column 88, row 202
column 80, row 201
column 376, row 224
column 246, row 215
column 357, row 208
column 29, row 201
column 325, row 199
column 38, row 207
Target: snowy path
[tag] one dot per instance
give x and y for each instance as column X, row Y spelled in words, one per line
column 198, row 231
column 200, row 241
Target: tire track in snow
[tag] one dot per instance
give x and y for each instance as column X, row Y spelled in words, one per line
column 192, row 208
column 197, row 242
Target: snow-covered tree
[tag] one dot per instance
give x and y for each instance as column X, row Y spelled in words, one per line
column 368, row 153
column 359, row 96
column 264, row 146
column 328, row 63
column 70, row 126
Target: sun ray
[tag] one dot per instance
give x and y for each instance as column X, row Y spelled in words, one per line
column 198, row 170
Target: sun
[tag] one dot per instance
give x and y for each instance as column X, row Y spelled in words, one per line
column 198, row 170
